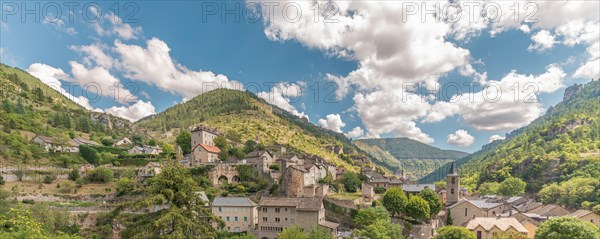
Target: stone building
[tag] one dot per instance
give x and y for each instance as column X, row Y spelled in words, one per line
column 452, row 186
column 485, row 227
column 587, row 216
column 224, row 172
column 204, row 153
column 239, row 213
column 302, row 180
column 278, row 213
column 203, row 135
column 261, row 160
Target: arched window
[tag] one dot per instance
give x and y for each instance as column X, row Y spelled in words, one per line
column 452, row 191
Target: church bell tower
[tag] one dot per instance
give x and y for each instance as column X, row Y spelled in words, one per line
column 452, row 186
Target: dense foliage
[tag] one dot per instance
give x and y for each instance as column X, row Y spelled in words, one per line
column 454, row 232
column 394, row 200
column 567, row 228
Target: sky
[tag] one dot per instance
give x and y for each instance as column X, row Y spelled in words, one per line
column 453, row 74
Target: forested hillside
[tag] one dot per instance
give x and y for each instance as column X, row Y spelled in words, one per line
column 557, row 153
column 29, row 108
column 243, row 116
column 412, row 156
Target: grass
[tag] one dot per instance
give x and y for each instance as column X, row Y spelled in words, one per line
column 51, row 189
column 346, row 196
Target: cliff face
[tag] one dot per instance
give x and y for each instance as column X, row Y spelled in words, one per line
column 572, row 91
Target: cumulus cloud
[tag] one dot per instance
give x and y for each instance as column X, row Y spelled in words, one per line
column 332, row 122
column 51, row 76
column 59, row 25
column 112, row 25
column 280, row 96
column 100, row 81
column 133, row 112
column 95, row 54
column 460, row 138
column 495, row 137
column 392, row 111
column 356, row 132
column 154, row 65
column 542, row 40
column 499, row 106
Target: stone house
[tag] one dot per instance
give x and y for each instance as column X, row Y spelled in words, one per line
column 204, row 153
column 275, row 214
column 550, row 210
column 385, row 183
column 415, row 189
column 465, row 210
column 81, row 141
column 51, row 146
column 153, row 150
column 204, row 135
column 150, row 170
column 261, row 160
column 587, row 216
column 303, row 180
column 239, row 213
column 123, row 141
column 277, row 150
column 485, row 227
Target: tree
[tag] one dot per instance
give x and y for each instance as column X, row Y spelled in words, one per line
column 292, row 233
column 449, row 219
column 351, row 181
column 435, row 204
column 125, row 185
column 100, row 175
column 66, row 186
column 319, row 233
column 417, row 208
column 183, row 218
column 567, row 228
column 454, row 232
column 381, row 229
column 184, row 140
column 221, row 142
column 250, row 146
column 512, row 187
column 152, row 142
column 509, row 235
column 89, row 154
column 394, row 200
column 366, row 216
column 74, row 174
column 488, row 188
column 107, row 141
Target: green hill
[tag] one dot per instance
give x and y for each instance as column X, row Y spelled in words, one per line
column 243, row 116
column 29, row 108
column 558, row 153
column 411, row 156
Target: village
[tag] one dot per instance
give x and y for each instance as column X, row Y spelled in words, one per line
column 298, row 191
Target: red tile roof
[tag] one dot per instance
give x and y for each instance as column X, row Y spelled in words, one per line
column 211, row 149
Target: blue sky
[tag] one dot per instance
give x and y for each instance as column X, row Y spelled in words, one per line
column 310, row 55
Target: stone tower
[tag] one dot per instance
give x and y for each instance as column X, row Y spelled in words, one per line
column 452, row 186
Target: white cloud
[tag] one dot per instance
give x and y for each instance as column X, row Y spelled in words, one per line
column 495, row 137
column 133, row 112
column 279, row 96
column 59, row 25
column 154, row 65
column 499, row 106
column 95, row 54
column 332, row 122
column 392, row 111
column 525, row 28
column 356, row 132
column 113, row 25
column 51, row 76
column 542, row 40
column 590, row 70
column 460, row 138
column 99, row 80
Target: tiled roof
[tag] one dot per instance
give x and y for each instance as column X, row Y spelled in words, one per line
column 301, row 204
column 85, row 141
column 256, row 154
column 502, row 223
column 543, row 211
column 329, row 224
column 483, row 204
column 417, row 187
column 211, row 149
column 45, row 139
column 580, row 213
column 233, row 202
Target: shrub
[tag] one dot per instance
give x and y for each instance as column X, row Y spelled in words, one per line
column 66, row 186
column 379, row 190
column 274, row 166
column 74, row 174
column 100, row 175
column 48, row 179
column 125, row 185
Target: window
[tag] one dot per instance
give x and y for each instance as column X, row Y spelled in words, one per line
column 227, row 219
column 277, row 219
column 452, row 191
column 264, row 219
column 466, row 209
column 264, row 209
column 479, row 236
column 245, row 219
column 235, row 218
column 277, row 210
column 453, row 180
column 220, row 209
